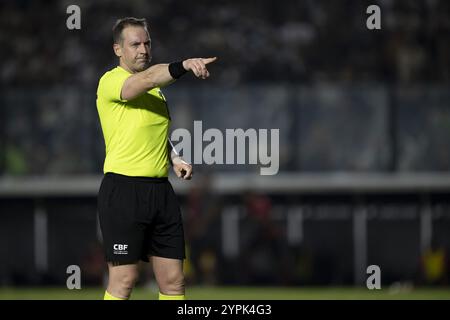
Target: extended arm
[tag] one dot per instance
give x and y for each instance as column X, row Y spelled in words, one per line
column 161, row 75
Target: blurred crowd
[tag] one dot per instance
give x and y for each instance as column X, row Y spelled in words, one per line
column 293, row 41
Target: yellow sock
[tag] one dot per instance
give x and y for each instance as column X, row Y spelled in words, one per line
column 109, row 296
column 171, row 297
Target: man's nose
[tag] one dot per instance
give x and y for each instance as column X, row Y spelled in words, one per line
column 143, row 49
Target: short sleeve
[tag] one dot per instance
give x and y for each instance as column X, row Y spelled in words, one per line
column 110, row 85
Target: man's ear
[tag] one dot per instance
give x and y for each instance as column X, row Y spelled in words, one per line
column 117, row 49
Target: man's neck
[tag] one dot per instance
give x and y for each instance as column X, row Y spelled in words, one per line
column 124, row 66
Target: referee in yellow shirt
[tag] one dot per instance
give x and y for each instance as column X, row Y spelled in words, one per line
column 139, row 214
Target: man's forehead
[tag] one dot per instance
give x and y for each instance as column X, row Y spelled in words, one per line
column 135, row 33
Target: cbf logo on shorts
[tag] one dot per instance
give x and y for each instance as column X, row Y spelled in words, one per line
column 120, row 248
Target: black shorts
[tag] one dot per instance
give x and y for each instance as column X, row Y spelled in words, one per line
column 139, row 216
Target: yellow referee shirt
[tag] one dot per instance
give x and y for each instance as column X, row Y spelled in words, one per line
column 135, row 131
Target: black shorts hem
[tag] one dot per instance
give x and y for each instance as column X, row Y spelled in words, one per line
column 169, row 256
column 116, row 263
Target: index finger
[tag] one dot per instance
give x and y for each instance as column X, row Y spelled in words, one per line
column 209, row 60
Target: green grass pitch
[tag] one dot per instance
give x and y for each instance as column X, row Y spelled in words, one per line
column 237, row 293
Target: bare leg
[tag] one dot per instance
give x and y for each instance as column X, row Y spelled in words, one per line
column 169, row 275
column 121, row 280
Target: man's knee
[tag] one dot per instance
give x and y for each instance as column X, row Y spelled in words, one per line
column 172, row 283
column 122, row 282
column 127, row 280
